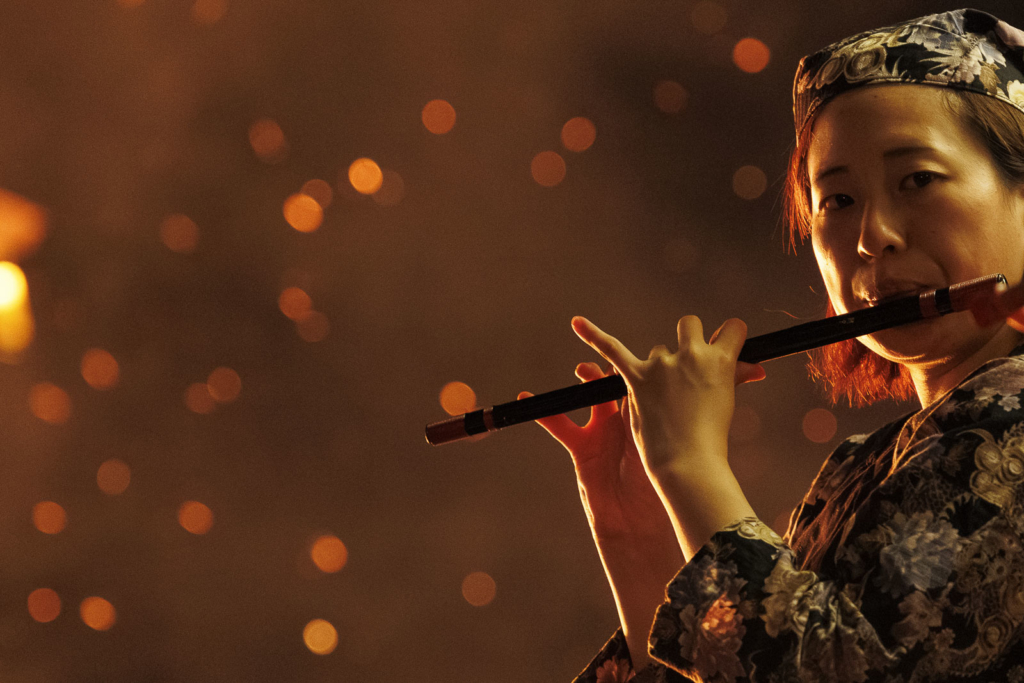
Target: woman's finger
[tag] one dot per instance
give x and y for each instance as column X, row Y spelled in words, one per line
column 749, row 372
column 730, row 336
column 610, row 348
column 659, row 350
column 561, row 427
column 689, row 331
column 588, row 372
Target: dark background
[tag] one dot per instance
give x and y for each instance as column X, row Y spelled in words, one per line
column 114, row 117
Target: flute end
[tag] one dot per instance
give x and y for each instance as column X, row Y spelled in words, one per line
column 446, row 431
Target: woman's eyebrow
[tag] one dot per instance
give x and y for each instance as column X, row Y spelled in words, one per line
column 895, row 152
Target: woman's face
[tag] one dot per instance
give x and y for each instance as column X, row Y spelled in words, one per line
column 905, row 198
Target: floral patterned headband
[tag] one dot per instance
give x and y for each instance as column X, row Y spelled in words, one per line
column 964, row 49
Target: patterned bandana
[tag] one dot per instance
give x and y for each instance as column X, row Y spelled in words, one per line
column 964, row 49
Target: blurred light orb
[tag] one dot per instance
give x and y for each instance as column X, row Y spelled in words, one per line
column 751, row 55
column 820, row 425
column 670, row 97
column 479, row 589
column 438, row 116
column 457, row 398
column 303, row 212
column 314, row 327
column 100, row 369
column 578, row 134
column 179, row 233
column 749, row 182
column 207, row 12
column 548, row 168
column 267, row 140
column 113, row 477
column 365, row 175
column 224, row 385
column 198, row 398
column 97, row 613
column 294, row 303
column 329, row 554
column 708, row 17
column 49, row 403
column 44, row 605
column 320, row 637
column 13, row 286
column 195, row 518
column 320, row 190
column 49, row 517
column 392, row 189
column 22, row 226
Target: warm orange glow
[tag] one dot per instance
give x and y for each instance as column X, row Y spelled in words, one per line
column 295, row 303
column 267, row 140
column 749, row 182
column 670, row 97
column 320, row 190
column 457, row 398
column 198, row 399
column 365, row 175
column 17, row 327
column 22, row 226
column 44, row 605
column 708, row 17
column 179, row 233
column 329, row 554
column 49, row 517
column 548, row 168
column 438, row 117
column 314, row 327
column 49, row 403
column 320, row 637
column 208, row 12
column 303, row 212
column 392, row 189
column 97, row 613
column 479, row 589
column 99, row 369
column 751, row 55
column 195, row 517
column 113, row 477
column 820, row 425
column 224, row 385
column 578, row 134
column 13, row 286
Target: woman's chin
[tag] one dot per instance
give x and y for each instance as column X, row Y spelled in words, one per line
column 929, row 341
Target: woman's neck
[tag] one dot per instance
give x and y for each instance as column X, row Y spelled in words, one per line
column 932, row 381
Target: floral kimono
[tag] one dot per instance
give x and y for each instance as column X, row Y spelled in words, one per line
column 904, row 562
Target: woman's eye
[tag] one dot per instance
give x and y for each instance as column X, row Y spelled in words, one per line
column 835, row 202
column 919, row 179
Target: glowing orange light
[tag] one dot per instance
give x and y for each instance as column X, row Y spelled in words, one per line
column 670, row 97
column 13, row 285
column 365, row 175
column 478, row 589
column 548, row 168
column 819, row 425
column 578, row 134
column 267, row 140
column 179, row 233
column 208, row 12
column 708, row 17
column 314, row 327
column 198, row 399
column 224, row 385
column 438, row 117
column 49, row 403
column 97, row 613
column 303, row 212
column 320, row 190
column 329, row 554
column 113, row 477
column 320, row 637
column 17, row 327
column 751, row 55
column 295, row 303
column 49, row 517
column 749, row 182
column 44, row 605
column 457, row 398
column 392, row 189
column 22, row 226
column 99, row 369
column 195, row 517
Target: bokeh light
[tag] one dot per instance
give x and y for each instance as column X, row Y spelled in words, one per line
column 268, row 141
column 198, row 398
column 320, row 637
column 179, row 233
column 670, row 97
column 329, row 554
column 392, row 189
column 365, row 175
column 320, row 190
column 749, row 182
column 13, row 285
column 113, row 477
column 195, row 517
column 207, row 12
column 97, row 613
column 49, row 403
column 751, row 55
column 314, row 327
column 820, row 425
column 49, row 517
column 578, row 134
column 224, row 385
column 708, row 17
column 100, row 369
column 438, row 116
column 22, row 226
column 303, row 212
column 294, row 303
column 44, row 605
column 548, row 168
column 457, row 398
column 479, row 589
column 17, row 326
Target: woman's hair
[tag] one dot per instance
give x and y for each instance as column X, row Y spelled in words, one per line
column 849, row 369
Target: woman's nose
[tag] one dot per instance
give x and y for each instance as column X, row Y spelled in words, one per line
column 880, row 232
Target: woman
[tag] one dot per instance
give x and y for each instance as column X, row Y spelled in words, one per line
column 905, row 561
